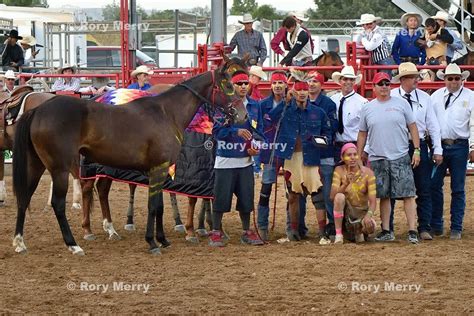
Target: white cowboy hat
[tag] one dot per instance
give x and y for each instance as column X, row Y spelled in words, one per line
column 367, row 18
column 143, row 69
column 10, row 75
column 406, row 16
column 347, row 72
column 405, row 69
column 453, row 69
column 67, row 66
column 441, row 15
column 28, row 40
column 247, row 18
column 258, row 71
column 299, row 15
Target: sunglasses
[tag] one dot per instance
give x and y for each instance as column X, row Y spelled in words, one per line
column 241, row 83
column 383, row 84
column 347, row 79
column 453, row 78
column 9, row 79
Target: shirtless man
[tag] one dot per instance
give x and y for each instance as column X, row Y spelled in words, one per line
column 353, row 193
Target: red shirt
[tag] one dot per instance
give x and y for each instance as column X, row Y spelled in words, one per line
column 280, row 37
column 255, row 93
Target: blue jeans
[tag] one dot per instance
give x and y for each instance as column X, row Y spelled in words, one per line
column 455, row 158
column 422, row 176
column 326, row 174
column 256, row 164
column 387, row 61
column 302, row 229
column 268, row 177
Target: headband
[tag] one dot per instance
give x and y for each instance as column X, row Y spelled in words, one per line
column 317, row 76
column 240, row 77
column 301, row 85
column 278, row 77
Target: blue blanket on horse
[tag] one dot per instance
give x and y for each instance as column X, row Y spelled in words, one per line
column 193, row 173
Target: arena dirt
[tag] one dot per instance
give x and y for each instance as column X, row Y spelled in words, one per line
column 292, row 278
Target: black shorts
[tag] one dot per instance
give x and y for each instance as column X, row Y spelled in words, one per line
column 238, row 181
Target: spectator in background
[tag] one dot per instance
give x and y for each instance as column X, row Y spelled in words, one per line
column 249, row 41
column 443, row 18
column 435, row 40
column 9, row 81
column 67, row 83
column 374, row 40
column 28, row 45
column 298, row 39
column 256, row 74
column 12, row 54
column 99, row 85
column 142, row 77
column 405, row 48
column 468, row 34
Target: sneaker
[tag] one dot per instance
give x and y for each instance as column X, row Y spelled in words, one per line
column 293, row 235
column 425, row 236
column 339, row 239
column 324, row 240
column 263, row 234
column 455, row 235
column 215, row 239
column 438, row 233
column 413, row 237
column 250, row 238
column 385, row 235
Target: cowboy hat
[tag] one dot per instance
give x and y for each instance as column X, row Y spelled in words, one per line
column 143, row 69
column 346, row 72
column 299, row 15
column 28, row 40
column 67, row 66
column 367, row 18
column 406, row 69
column 10, row 75
column 441, row 15
column 406, row 16
column 453, row 69
column 14, row 34
column 258, row 71
column 247, row 18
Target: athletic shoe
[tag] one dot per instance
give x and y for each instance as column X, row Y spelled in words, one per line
column 438, row 233
column 215, row 239
column 413, row 237
column 324, row 240
column 455, row 235
column 339, row 239
column 425, row 236
column 385, row 235
column 249, row 237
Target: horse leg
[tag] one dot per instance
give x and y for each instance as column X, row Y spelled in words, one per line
column 50, row 196
column 155, row 208
column 87, row 202
column 204, row 214
column 103, row 188
column 190, row 236
column 76, row 194
column 3, row 191
column 60, row 186
column 179, row 227
column 130, row 226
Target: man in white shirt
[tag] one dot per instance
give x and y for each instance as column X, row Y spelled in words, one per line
column 453, row 106
column 348, row 103
column 427, row 124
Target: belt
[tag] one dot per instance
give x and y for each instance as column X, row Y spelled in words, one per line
column 450, row 142
column 410, row 59
column 340, row 144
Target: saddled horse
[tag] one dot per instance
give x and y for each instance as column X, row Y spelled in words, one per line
column 52, row 137
column 329, row 58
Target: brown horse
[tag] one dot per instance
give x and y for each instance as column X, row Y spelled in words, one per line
column 467, row 59
column 328, row 59
column 52, row 137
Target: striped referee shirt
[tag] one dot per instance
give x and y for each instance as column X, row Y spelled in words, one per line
column 375, row 42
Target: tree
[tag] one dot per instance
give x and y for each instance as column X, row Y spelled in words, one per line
column 111, row 12
column 201, row 11
column 266, row 12
column 241, row 7
column 25, row 3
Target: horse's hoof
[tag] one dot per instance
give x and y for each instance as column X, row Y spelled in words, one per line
column 202, row 232
column 192, row 239
column 164, row 243
column 89, row 237
column 2, row 203
column 76, row 250
column 76, row 206
column 115, row 236
column 155, row 251
column 180, row 229
column 129, row 227
column 19, row 244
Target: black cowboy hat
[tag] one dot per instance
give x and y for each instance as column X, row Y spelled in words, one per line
column 14, row 34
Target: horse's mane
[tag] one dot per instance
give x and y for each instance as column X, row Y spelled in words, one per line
column 178, row 87
column 331, row 54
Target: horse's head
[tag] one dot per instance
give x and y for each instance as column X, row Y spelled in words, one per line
column 226, row 99
column 328, row 59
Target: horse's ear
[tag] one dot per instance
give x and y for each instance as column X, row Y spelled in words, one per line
column 246, row 58
column 324, row 53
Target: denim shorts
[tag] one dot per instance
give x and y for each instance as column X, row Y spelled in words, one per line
column 394, row 178
column 269, row 174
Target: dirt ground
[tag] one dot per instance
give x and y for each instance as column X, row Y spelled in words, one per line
column 287, row 278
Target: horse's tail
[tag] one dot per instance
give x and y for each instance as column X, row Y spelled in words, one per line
column 21, row 146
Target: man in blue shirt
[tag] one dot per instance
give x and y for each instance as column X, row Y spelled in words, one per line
column 405, row 48
column 142, row 76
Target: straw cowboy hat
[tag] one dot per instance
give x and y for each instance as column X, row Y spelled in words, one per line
column 247, row 18
column 67, row 66
column 299, row 15
column 29, row 40
column 143, row 69
column 452, row 69
column 10, row 75
column 441, row 15
column 346, row 72
column 367, row 18
column 406, row 69
column 258, row 71
column 406, row 16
